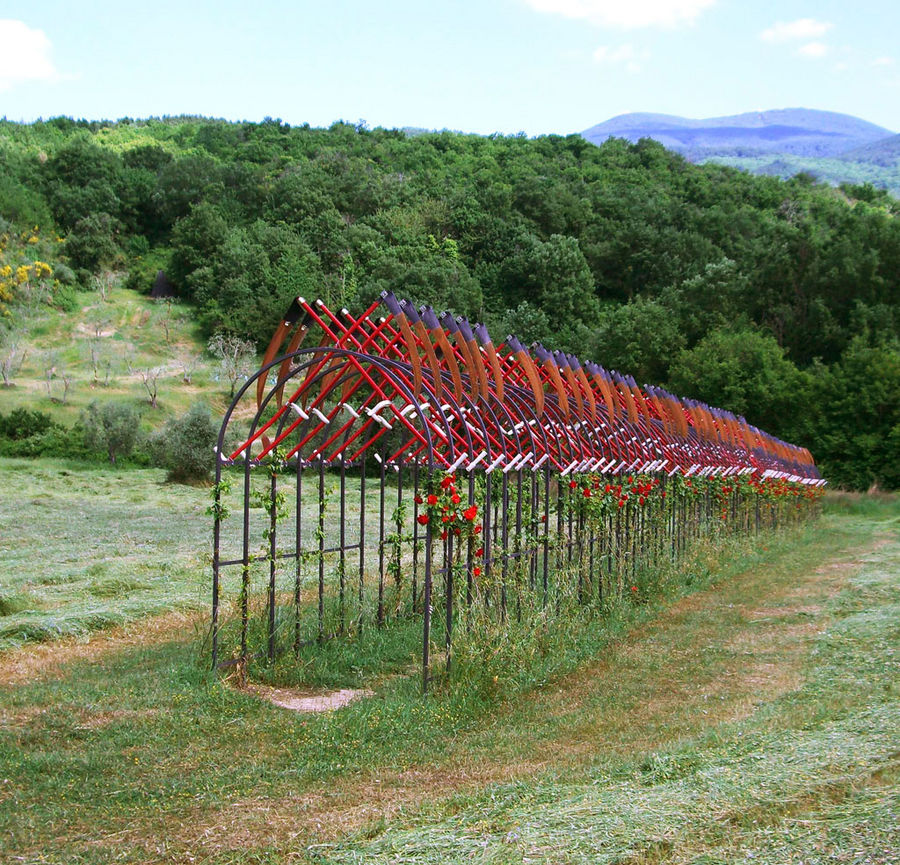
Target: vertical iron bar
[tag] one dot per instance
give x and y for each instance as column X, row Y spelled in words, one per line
column 415, row 535
column 546, row 533
column 448, row 603
column 398, row 528
column 381, row 548
column 470, row 548
column 217, row 534
column 520, row 552
column 488, row 529
column 245, row 571
column 320, row 532
column 298, row 553
column 273, row 519
column 426, row 611
column 504, row 516
column 362, row 539
column 342, row 562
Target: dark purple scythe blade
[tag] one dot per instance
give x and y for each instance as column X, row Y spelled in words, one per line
column 474, row 353
column 440, row 338
column 525, row 361
column 549, row 366
column 462, row 347
column 391, row 302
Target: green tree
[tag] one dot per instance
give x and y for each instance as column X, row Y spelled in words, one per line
column 93, row 242
column 853, row 416
column 639, row 338
column 744, row 371
column 111, row 427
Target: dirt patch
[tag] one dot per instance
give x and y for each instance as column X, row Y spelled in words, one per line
column 98, row 720
column 307, row 701
column 763, row 613
column 92, row 331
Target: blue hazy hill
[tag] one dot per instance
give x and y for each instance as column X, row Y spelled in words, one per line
column 795, row 131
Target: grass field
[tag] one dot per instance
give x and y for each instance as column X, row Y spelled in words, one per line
column 84, row 549
column 755, row 718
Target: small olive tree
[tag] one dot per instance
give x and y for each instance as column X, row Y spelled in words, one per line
column 236, row 357
column 111, row 427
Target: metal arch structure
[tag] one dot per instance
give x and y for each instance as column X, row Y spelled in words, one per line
column 419, row 396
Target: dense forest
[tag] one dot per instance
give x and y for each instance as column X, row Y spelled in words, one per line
column 775, row 299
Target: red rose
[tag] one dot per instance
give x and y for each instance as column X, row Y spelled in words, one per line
column 476, row 571
column 432, row 499
column 470, row 513
column 422, row 519
column 455, row 499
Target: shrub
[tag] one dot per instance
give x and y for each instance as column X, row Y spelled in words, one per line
column 184, row 447
column 23, row 423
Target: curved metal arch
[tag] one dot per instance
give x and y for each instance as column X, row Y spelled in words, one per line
column 313, row 353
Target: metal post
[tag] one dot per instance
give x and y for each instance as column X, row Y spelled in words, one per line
column 362, row 539
column 320, row 532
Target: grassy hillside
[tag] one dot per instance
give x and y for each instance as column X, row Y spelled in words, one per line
column 115, row 346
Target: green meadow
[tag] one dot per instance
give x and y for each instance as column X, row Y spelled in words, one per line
column 750, row 713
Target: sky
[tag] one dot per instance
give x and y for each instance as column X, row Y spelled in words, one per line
column 482, row 66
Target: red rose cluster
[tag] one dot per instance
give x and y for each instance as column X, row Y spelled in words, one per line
column 444, row 510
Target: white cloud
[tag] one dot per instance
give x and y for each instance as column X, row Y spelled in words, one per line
column 813, row 50
column 882, row 61
column 25, row 55
column 623, row 55
column 626, row 15
column 791, row 31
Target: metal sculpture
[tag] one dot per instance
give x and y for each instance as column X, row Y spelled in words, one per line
column 494, row 441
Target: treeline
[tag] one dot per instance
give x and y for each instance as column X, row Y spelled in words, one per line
column 775, row 299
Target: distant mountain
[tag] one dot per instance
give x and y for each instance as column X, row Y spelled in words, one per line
column 794, row 131
column 885, row 152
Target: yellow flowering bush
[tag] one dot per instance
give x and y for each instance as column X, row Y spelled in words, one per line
column 18, row 275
